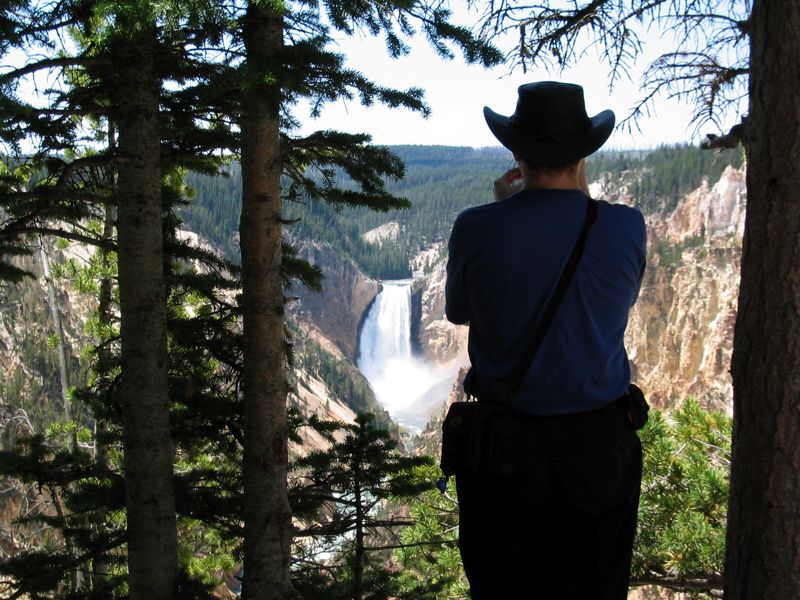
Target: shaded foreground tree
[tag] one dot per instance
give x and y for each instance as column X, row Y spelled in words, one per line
column 722, row 47
column 285, row 59
column 340, row 490
column 267, row 516
column 130, row 88
column 763, row 549
column 277, row 55
column 111, row 73
column 148, row 449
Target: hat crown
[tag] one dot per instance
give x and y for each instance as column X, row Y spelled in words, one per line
column 550, row 125
column 550, row 107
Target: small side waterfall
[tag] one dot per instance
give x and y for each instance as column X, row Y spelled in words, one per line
column 408, row 387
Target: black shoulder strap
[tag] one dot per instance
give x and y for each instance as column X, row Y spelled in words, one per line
column 555, row 300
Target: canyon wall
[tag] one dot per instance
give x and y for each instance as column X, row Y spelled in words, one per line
column 337, row 311
column 680, row 333
column 438, row 340
column 679, row 337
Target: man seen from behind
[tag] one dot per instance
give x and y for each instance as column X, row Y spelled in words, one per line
column 561, row 525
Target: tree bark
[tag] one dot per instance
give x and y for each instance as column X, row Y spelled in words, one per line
column 150, row 501
column 763, row 544
column 360, row 553
column 267, row 516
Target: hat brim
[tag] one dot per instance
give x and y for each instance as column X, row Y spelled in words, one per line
column 551, row 150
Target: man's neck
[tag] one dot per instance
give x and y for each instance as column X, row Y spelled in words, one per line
column 565, row 180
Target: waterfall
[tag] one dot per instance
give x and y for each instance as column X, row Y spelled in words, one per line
column 408, row 387
column 386, row 334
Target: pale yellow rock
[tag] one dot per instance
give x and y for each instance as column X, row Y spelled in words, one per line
column 680, row 333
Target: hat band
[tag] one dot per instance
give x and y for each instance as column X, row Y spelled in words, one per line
column 514, row 121
column 553, row 136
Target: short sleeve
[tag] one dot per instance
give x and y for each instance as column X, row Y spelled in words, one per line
column 457, row 308
column 642, row 250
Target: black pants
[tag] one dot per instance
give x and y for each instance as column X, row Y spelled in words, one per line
column 562, row 529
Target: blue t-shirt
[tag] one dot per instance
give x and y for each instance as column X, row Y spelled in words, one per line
column 505, row 259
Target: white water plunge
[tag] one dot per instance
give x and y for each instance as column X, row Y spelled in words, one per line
column 408, row 387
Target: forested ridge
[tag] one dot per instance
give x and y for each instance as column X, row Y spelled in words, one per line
column 440, row 182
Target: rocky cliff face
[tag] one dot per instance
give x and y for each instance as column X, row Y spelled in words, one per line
column 715, row 213
column 346, row 294
column 680, row 334
column 679, row 337
column 31, row 390
column 29, row 338
column 312, row 396
column 19, row 500
column 438, row 340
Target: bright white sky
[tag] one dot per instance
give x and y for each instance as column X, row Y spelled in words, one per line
column 457, row 93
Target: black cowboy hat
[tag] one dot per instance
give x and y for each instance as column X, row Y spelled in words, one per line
column 550, row 125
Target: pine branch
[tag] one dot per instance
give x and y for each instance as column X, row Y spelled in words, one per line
column 413, row 545
column 52, row 63
column 710, row 584
column 15, row 231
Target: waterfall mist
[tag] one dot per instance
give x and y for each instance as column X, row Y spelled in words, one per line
column 407, row 386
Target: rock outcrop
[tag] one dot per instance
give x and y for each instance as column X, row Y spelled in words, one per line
column 429, row 441
column 341, row 305
column 716, row 214
column 680, row 334
column 312, row 397
column 436, row 338
column 18, row 499
column 383, row 233
column 29, row 366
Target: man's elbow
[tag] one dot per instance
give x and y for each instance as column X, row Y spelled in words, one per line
column 456, row 317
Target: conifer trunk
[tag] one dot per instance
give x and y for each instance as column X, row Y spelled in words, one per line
column 150, row 501
column 360, row 553
column 267, row 516
column 763, row 544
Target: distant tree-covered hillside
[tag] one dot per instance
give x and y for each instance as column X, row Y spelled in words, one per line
column 659, row 178
column 442, row 181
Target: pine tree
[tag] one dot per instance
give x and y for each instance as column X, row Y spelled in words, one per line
column 285, row 59
column 340, row 490
column 148, row 448
column 115, row 77
column 763, row 557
